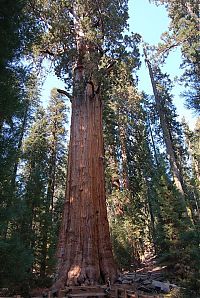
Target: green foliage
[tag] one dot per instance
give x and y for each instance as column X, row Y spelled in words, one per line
column 42, row 184
column 15, row 35
column 15, row 261
column 184, row 32
column 125, row 144
column 67, row 26
column 124, row 245
column 30, row 215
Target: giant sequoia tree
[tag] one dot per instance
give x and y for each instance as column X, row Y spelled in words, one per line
column 84, row 38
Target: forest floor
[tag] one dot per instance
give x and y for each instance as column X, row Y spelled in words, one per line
column 150, row 278
column 151, row 264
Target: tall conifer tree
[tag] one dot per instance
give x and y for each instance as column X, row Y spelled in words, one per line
column 85, row 42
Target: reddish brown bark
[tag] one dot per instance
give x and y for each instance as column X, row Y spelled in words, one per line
column 84, row 249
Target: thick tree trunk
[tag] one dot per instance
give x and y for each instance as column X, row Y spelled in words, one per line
column 84, row 248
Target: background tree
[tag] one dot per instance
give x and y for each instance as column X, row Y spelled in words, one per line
column 161, row 86
column 16, row 99
column 125, row 144
column 17, row 34
column 56, row 132
column 192, row 145
column 184, row 32
column 177, row 225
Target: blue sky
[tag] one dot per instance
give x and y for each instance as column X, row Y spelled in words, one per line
column 150, row 21
column 147, row 19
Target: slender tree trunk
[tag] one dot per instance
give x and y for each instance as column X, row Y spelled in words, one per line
column 166, row 134
column 15, row 166
column 195, row 161
column 152, row 140
column 19, row 146
column 49, row 214
column 50, row 202
column 125, row 177
column 151, row 212
column 84, row 248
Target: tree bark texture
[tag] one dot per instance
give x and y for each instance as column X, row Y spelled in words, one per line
column 84, row 248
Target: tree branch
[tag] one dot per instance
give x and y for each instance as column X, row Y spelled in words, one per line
column 109, row 67
column 167, row 49
column 101, row 23
column 50, row 53
column 47, row 52
column 65, row 93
